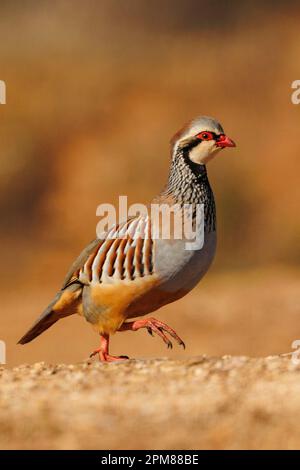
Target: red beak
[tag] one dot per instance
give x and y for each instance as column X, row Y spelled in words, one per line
column 224, row 141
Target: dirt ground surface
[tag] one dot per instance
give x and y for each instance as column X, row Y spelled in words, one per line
column 217, row 394
column 195, row 403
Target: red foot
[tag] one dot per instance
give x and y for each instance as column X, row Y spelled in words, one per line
column 104, row 357
column 103, row 351
column 154, row 326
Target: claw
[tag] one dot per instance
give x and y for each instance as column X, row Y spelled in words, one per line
column 94, row 353
column 169, row 330
column 154, row 326
column 107, row 357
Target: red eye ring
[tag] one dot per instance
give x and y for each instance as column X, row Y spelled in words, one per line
column 205, row 135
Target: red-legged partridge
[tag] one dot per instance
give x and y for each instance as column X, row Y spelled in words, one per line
column 120, row 276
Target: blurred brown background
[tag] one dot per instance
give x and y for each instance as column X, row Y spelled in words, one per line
column 95, row 90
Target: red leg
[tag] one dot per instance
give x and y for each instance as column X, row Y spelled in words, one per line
column 154, row 326
column 104, row 356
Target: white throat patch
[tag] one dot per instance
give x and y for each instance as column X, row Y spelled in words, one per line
column 204, row 152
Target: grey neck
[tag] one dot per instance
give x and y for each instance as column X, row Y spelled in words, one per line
column 188, row 184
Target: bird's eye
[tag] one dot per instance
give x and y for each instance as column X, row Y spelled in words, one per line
column 205, row 136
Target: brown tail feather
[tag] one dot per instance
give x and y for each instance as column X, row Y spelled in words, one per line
column 39, row 328
column 64, row 304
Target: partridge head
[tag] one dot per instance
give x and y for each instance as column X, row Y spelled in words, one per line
column 201, row 139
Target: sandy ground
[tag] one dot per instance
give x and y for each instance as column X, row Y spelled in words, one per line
column 195, row 403
column 197, row 398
